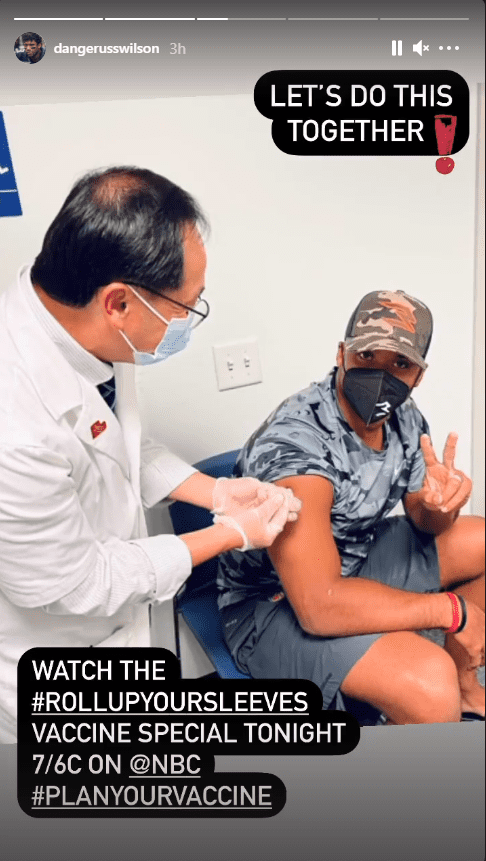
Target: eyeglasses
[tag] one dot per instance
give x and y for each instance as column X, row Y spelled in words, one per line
column 201, row 308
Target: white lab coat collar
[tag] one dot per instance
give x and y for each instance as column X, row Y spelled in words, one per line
column 65, row 392
column 89, row 366
column 56, row 382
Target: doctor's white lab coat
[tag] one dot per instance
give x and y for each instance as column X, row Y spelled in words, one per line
column 74, row 480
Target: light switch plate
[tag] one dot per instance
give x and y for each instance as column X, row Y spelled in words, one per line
column 237, row 364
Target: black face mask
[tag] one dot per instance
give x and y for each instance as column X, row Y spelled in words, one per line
column 374, row 394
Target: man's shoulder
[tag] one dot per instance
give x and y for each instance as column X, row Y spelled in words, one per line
column 13, row 313
column 410, row 418
column 294, row 411
column 24, row 421
column 410, row 424
column 7, row 335
column 297, row 438
column 11, row 296
column 43, row 51
column 22, row 412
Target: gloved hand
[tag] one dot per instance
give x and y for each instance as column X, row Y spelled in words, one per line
column 260, row 525
column 231, row 494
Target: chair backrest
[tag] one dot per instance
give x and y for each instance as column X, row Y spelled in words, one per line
column 189, row 518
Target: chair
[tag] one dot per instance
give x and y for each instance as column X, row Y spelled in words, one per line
column 197, row 600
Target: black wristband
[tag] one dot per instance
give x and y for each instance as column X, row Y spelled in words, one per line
column 463, row 624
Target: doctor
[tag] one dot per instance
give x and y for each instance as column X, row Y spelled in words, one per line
column 118, row 282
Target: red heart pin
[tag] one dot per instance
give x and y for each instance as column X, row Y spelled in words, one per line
column 97, row 428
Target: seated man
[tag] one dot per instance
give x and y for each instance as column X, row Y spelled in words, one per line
column 340, row 595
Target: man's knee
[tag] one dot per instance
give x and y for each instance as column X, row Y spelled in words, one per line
column 473, row 534
column 435, row 693
column 409, row 678
column 461, row 550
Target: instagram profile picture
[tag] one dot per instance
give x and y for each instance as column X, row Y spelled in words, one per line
column 29, row 48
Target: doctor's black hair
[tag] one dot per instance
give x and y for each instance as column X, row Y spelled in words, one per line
column 120, row 224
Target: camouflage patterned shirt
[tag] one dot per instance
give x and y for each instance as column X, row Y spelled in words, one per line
column 308, row 435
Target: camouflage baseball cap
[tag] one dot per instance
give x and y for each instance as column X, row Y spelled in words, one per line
column 388, row 320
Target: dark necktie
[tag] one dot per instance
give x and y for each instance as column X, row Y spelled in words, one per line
column 108, row 392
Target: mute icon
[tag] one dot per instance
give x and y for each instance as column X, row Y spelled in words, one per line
column 418, row 48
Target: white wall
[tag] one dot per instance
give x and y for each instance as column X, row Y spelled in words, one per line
column 295, row 243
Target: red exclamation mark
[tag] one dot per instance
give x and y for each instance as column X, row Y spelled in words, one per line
column 445, row 129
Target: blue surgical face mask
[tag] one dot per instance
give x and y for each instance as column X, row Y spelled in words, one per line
column 175, row 338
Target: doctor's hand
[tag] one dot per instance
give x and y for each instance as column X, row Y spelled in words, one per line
column 258, row 525
column 445, row 489
column 232, row 494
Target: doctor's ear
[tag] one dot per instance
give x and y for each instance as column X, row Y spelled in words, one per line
column 115, row 301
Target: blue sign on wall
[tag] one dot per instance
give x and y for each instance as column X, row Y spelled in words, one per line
column 9, row 195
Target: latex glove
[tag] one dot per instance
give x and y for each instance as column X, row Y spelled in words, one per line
column 260, row 525
column 230, row 494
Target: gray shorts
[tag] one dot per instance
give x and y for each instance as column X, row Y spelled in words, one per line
column 267, row 641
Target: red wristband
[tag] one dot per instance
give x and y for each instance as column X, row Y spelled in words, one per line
column 456, row 614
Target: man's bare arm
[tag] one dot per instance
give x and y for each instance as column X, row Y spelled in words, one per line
column 326, row 604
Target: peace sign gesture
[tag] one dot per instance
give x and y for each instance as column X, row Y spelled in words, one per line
column 445, row 488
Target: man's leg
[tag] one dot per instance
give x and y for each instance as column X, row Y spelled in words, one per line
column 461, row 561
column 409, row 678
